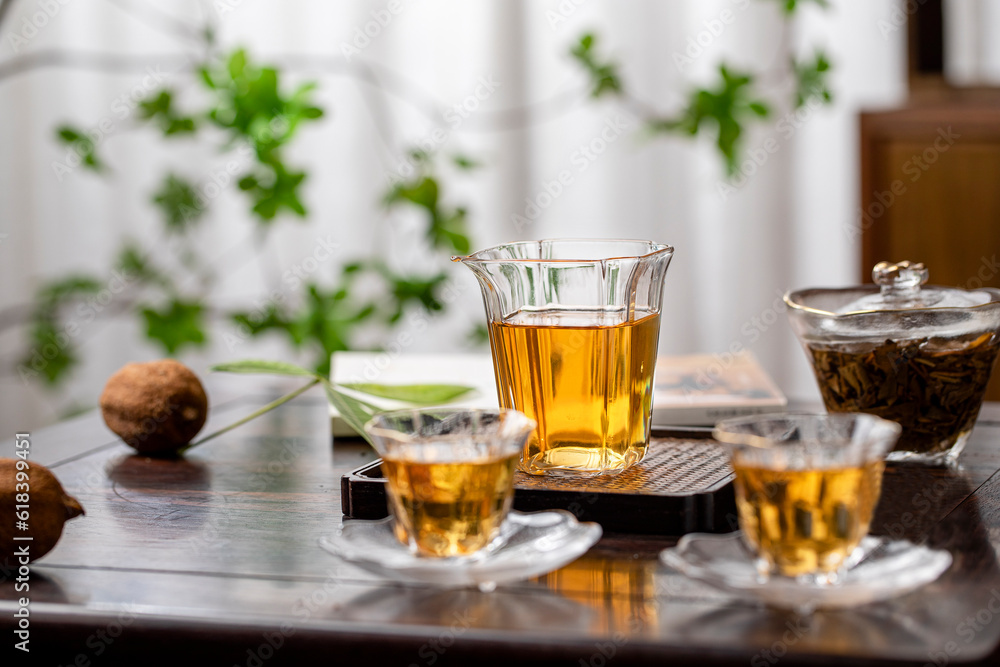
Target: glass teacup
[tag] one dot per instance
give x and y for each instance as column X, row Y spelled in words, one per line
column 450, row 475
column 807, row 487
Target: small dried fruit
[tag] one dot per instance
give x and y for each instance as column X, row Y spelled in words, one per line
column 48, row 508
column 155, row 407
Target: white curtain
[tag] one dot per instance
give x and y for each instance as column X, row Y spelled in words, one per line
column 786, row 222
column 972, row 52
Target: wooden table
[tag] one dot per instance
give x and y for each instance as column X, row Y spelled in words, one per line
column 214, row 559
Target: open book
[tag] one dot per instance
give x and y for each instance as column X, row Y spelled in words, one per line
column 689, row 390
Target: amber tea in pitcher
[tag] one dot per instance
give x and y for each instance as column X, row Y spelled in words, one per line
column 587, row 383
column 573, row 328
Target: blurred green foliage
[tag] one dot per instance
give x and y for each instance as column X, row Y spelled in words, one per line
column 258, row 116
column 258, row 119
column 725, row 107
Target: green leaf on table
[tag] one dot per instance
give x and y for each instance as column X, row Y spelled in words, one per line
column 356, row 413
column 428, row 394
column 178, row 325
column 263, row 366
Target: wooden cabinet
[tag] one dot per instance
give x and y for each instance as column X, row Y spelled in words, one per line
column 930, row 192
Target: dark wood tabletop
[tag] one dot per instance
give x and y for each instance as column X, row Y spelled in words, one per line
column 213, row 560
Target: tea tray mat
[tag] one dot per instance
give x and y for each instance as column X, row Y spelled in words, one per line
column 682, row 485
column 671, row 466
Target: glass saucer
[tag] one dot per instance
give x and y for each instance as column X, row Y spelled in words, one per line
column 881, row 569
column 534, row 544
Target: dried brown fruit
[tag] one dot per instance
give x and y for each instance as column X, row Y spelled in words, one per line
column 49, row 507
column 155, row 407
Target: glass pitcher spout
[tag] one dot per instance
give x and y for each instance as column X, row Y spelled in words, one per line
column 573, row 328
column 622, row 277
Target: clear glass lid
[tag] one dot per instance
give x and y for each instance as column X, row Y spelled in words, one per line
column 899, row 286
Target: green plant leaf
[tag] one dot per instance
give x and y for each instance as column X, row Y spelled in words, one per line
column 263, row 366
column 812, row 79
column 177, row 326
column 160, row 108
column 356, row 413
column 789, row 6
column 465, row 163
column 178, row 201
column 727, row 106
column 425, row 394
column 82, row 144
column 46, row 357
column 603, row 74
column 237, row 63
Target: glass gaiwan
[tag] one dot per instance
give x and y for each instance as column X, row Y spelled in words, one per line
column 919, row 356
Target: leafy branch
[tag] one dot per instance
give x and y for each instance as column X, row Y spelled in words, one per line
column 257, row 116
column 724, row 107
column 354, row 411
column 257, row 119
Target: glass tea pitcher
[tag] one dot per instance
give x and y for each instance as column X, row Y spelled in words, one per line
column 573, row 327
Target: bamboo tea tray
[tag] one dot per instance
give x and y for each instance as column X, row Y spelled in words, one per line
column 684, row 485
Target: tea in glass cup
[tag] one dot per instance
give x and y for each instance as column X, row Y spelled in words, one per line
column 450, row 475
column 806, row 487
